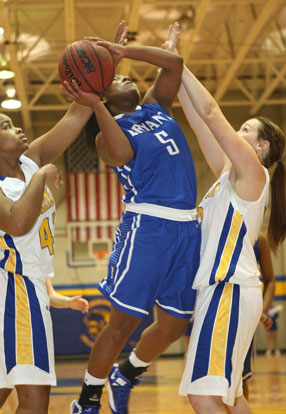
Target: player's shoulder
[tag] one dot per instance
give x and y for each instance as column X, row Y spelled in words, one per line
column 154, row 107
column 26, row 160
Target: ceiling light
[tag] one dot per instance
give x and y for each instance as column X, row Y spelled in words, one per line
column 10, row 90
column 6, row 74
column 3, row 61
column 11, row 104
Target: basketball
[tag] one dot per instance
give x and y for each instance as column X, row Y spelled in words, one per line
column 90, row 65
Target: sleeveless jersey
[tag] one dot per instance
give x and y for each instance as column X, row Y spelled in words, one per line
column 162, row 170
column 230, row 228
column 32, row 254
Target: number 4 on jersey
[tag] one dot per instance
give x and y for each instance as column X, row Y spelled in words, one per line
column 46, row 236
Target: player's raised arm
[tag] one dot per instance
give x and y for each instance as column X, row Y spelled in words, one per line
column 213, row 153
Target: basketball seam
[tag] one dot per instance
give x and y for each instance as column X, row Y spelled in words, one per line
column 83, row 76
column 98, row 60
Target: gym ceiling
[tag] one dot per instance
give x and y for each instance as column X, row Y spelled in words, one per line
column 237, row 48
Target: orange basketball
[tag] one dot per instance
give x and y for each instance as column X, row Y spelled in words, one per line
column 90, row 65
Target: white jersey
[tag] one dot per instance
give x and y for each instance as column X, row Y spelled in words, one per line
column 230, row 227
column 32, row 254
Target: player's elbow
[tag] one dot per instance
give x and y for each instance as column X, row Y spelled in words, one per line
column 19, row 228
column 210, row 111
column 114, row 155
column 178, row 64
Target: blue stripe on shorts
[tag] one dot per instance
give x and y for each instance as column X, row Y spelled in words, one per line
column 153, row 260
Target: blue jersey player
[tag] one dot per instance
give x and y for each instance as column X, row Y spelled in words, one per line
column 156, row 248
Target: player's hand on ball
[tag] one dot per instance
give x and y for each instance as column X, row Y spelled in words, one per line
column 116, row 50
column 120, row 39
column 74, row 92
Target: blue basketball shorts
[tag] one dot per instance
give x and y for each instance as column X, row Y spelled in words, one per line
column 153, row 260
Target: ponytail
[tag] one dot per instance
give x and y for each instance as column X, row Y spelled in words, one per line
column 90, row 131
column 277, row 223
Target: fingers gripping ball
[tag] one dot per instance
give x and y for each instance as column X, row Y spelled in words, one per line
column 90, row 65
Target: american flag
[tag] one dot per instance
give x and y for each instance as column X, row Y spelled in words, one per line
column 93, row 191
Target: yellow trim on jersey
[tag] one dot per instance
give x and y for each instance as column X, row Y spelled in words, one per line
column 47, row 201
column 229, row 247
column 10, row 265
column 212, row 191
column 220, row 333
column 24, row 340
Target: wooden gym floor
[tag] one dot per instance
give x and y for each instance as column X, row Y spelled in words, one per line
column 158, row 393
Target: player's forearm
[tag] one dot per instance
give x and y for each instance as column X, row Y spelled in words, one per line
column 56, row 141
column 156, row 56
column 112, row 143
column 25, row 211
column 213, row 153
column 268, row 295
column 59, row 301
column 204, row 103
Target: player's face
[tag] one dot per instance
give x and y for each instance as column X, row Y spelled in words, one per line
column 250, row 132
column 11, row 137
column 121, row 90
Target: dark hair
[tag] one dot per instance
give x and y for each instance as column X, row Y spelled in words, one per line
column 91, row 130
column 277, row 222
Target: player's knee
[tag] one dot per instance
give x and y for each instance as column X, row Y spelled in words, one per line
column 206, row 403
column 33, row 399
column 174, row 331
column 120, row 332
column 194, row 401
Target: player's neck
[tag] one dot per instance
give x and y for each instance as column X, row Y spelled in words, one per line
column 123, row 108
column 11, row 168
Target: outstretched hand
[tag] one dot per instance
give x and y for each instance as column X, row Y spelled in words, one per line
column 78, row 303
column 121, row 35
column 120, row 40
column 172, row 38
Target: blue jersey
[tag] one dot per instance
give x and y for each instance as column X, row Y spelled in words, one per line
column 162, row 169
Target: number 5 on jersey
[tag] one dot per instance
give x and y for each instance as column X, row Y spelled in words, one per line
column 172, row 147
